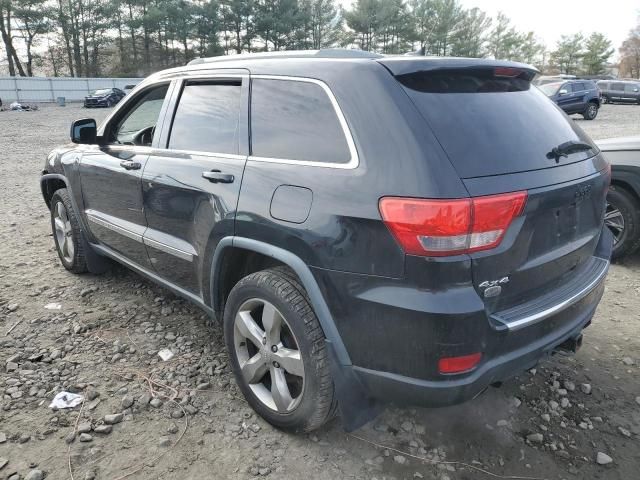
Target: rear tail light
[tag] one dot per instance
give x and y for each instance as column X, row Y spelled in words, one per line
column 459, row 364
column 450, row 227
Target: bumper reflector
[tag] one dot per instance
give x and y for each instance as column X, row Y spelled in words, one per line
column 460, row 364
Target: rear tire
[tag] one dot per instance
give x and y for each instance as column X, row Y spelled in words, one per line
column 591, row 112
column 623, row 219
column 266, row 314
column 67, row 234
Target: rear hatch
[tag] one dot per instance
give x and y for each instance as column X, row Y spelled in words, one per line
column 502, row 135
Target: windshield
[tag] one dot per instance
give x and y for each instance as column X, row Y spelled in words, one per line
column 102, row 91
column 550, row 89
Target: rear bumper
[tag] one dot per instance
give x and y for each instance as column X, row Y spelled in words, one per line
column 395, row 333
column 389, row 387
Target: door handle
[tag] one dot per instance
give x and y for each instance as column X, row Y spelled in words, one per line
column 216, row 176
column 130, row 165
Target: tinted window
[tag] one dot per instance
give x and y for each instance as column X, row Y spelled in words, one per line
column 505, row 126
column 569, row 87
column 630, row 88
column 295, row 120
column 617, row 86
column 579, row 87
column 603, row 85
column 141, row 114
column 207, row 118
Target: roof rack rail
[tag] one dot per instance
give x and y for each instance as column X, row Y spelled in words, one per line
column 322, row 53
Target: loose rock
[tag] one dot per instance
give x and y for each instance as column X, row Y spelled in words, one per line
column 113, row 419
column 603, row 459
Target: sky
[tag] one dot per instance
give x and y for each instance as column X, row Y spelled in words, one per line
column 551, row 18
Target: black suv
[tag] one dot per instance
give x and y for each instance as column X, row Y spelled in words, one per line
column 368, row 229
column 575, row 96
column 104, row 97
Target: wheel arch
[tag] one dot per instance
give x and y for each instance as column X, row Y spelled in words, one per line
column 49, row 183
column 219, row 285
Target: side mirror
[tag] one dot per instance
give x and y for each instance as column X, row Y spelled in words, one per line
column 84, row 131
column 563, row 91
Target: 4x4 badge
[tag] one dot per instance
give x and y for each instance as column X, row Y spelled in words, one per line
column 493, row 288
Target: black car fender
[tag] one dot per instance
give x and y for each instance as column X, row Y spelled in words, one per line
column 356, row 406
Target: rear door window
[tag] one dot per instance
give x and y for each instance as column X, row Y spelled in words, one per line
column 207, row 118
column 491, row 121
column 295, row 120
column 619, row 87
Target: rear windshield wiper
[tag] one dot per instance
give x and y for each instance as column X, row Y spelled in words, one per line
column 567, row 148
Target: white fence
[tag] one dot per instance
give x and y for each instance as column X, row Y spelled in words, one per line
column 48, row 89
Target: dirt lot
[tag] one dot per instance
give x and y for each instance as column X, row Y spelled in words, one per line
column 548, row 423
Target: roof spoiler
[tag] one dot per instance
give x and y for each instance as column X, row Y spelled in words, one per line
column 412, row 64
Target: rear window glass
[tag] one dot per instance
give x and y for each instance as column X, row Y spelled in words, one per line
column 295, row 120
column 490, row 124
column 207, row 118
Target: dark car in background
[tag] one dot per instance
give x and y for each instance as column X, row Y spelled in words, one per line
column 104, row 97
column 623, row 200
column 620, row 91
column 367, row 228
column 574, row 96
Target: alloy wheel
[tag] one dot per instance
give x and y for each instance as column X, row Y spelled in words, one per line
column 63, row 232
column 614, row 219
column 268, row 355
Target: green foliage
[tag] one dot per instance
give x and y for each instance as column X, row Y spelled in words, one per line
column 137, row 37
column 568, row 53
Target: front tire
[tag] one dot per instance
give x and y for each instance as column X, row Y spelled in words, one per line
column 66, row 233
column 623, row 219
column 277, row 351
column 591, row 112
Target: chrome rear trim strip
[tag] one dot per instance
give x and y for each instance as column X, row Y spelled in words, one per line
column 548, row 312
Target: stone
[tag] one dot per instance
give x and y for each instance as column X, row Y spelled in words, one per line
column 85, row 438
column 624, row 432
column 569, row 386
column 155, row 402
column 603, row 459
column 103, row 429
column 164, row 441
column 502, row 423
column 407, row 426
column 84, row 427
column 113, row 419
column 34, row 475
column 628, row 361
column 546, row 417
column 3, row 437
column 535, row 437
column 553, row 405
column 173, row 429
column 177, row 413
column 203, row 386
column 70, row 437
column 3, row 462
column 401, row 459
column 127, row 401
column 586, row 388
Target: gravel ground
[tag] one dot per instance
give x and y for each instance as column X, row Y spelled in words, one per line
column 184, row 418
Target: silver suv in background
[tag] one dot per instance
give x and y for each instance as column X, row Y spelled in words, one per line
column 620, row 91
